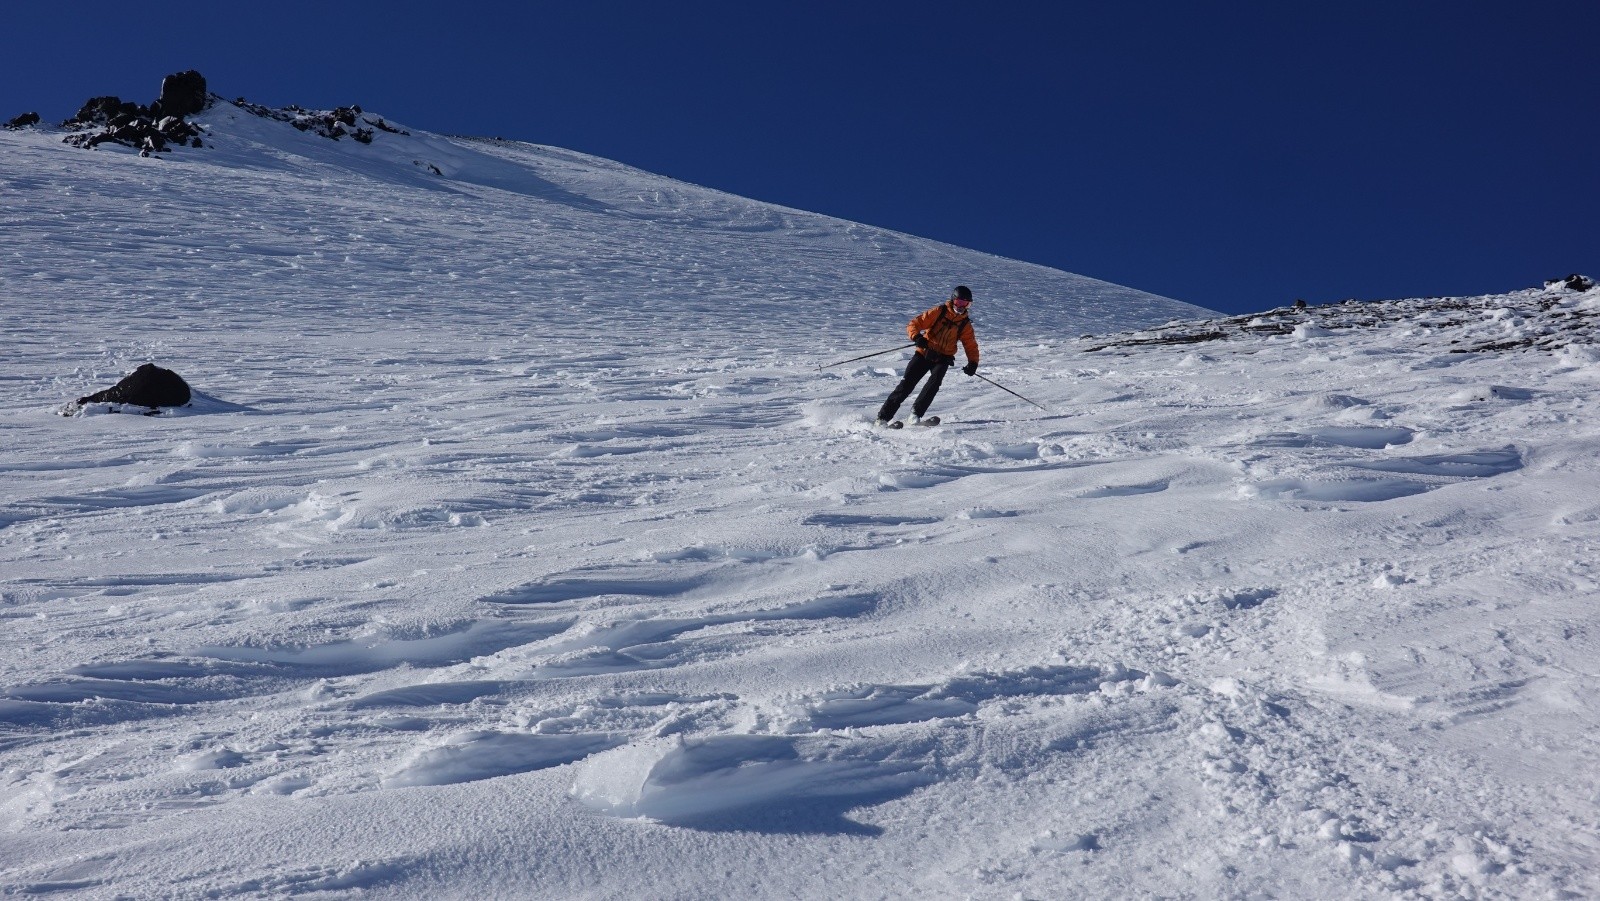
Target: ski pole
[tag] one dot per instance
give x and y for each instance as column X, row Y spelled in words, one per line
column 1009, row 391
column 864, row 356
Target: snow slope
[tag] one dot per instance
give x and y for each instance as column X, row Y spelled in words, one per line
column 517, row 547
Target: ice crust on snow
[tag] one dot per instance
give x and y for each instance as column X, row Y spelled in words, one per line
column 519, row 548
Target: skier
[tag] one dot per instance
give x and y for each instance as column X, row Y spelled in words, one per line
column 935, row 333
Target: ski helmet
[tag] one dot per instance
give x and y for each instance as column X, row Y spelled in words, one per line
column 962, row 292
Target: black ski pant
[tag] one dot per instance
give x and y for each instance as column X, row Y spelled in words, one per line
column 920, row 365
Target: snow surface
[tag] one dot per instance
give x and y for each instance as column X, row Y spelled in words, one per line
column 517, row 546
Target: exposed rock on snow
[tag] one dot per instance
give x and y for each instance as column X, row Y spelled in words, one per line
column 164, row 123
column 152, row 129
column 345, row 121
column 23, row 121
column 149, row 388
column 1547, row 319
column 333, row 124
column 1574, row 282
column 182, row 94
column 104, row 111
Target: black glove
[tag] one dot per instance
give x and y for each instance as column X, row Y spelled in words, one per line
column 970, row 368
column 920, row 341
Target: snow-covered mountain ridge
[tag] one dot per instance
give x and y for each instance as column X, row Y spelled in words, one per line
column 519, row 548
column 517, row 223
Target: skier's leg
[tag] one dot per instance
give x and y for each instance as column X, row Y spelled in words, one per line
column 925, row 399
column 914, row 372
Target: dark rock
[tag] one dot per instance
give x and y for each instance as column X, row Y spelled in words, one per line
column 182, row 94
column 148, row 386
column 1193, row 337
column 24, row 120
column 105, row 111
column 1453, row 324
column 1573, row 282
column 142, row 128
column 343, row 122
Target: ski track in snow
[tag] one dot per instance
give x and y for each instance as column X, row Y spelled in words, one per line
column 517, row 546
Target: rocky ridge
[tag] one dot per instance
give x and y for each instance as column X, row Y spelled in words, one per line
column 341, row 122
column 164, row 124
column 1564, row 312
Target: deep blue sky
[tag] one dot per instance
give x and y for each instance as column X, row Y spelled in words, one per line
column 1235, row 155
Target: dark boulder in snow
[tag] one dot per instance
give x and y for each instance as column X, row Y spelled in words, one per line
column 148, row 386
column 106, row 110
column 182, row 94
column 1573, row 282
column 23, row 121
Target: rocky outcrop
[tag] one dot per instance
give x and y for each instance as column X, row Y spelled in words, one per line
column 345, row 121
column 164, row 124
column 140, row 133
column 1573, row 282
column 23, row 121
column 104, row 111
column 149, row 129
column 1529, row 320
column 182, row 94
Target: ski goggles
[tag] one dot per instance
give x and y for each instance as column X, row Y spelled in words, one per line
column 959, row 303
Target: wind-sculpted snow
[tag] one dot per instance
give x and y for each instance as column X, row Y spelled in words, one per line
column 695, row 783
column 485, row 755
column 804, row 778
column 1479, row 465
column 516, row 546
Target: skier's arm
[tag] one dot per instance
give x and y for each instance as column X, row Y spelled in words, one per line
column 920, row 322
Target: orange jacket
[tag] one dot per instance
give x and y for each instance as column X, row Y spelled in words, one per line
column 944, row 326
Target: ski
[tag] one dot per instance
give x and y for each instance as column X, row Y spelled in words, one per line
column 898, row 424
